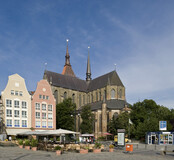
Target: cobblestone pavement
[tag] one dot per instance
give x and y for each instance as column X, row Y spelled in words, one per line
column 142, row 152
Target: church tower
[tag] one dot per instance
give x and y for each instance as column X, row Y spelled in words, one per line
column 67, row 70
column 88, row 70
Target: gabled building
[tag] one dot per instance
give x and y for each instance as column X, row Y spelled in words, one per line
column 43, row 107
column 16, row 106
column 105, row 94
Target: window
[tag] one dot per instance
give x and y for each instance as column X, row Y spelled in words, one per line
column 21, row 93
column 83, row 99
column 16, row 123
column 24, row 104
column 43, row 124
column 56, row 96
column 24, row 123
column 105, row 94
column 9, row 123
column 50, row 107
column 115, row 115
column 8, row 103
column 112, row 94
column 37, row 106
column 120, row 93
column 43, row 96
column 16, row 113
column 65, row 95
column 73, row 98
column 40, row 96
column 43, row 115
column 43, row 107
column 12, row 92
column 16, row 93
column 16, row 104
column 38, row 115
column 47, row 97
column 37, row 124
column 80, row 100
column 91, row 98
column 24, row 114
column 100, row 96
column 50, row 124
column 9, row 113
column 50, row 116
column 96, row 96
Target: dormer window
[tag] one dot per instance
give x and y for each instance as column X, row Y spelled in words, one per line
column 112, row 94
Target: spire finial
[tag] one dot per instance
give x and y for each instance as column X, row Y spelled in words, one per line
column 67, row 57
column 45, row 65
column 115, row 66
column 88, row 71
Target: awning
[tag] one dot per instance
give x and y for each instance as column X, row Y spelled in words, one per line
column 87, row 135
column 60, row 131
column 16, row 131
column 107, row 134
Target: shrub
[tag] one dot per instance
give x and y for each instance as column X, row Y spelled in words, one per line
column 27, row 142
column 58, row 139
column 34, row 142
column 111, row 146
column 57, row 148
column 97, row 145
column 20, row 142
column 101, row 138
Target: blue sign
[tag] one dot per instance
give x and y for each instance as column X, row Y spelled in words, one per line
column 163, row 125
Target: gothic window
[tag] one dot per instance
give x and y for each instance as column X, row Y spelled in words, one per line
column 96, row 96
column 105, row 94
column 91, row 98
column 65, row 95
column 100, row 96
column 80, row 100
column 108, row 117
column 100, row 122
column 83, row 99
column 88, row 99
column 115, row 115
column 112, row 94
column 56, row 96
column 120, row 93
column 73, row 98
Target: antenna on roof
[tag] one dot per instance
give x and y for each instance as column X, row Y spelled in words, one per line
column 115, row 66
column 45, row 66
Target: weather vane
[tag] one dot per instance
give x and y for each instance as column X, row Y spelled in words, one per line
column 45, row 66
column 115, row 66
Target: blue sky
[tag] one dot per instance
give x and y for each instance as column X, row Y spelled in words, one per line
column 136, row 35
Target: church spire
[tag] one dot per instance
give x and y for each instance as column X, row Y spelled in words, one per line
column 67, row 57
column 88, row 71
column 67, row 70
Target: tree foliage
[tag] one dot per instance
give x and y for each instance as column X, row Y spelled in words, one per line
column 145, row 116
column 65, row 113
column 87, row 120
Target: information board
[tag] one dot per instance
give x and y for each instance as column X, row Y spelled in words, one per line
column 121, row 139
column 162, row 125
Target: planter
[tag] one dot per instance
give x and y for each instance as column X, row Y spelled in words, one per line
column 111, row 149
column 58, row 152
column 27, row 147
column 96, row 150
column 83, row 151
column 34, row 148
column 20, row 146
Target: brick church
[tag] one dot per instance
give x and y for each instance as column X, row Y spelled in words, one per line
column 105, row 94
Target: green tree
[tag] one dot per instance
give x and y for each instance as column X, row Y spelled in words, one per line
column 120, row 122
column 65, row 112
column 87, row 120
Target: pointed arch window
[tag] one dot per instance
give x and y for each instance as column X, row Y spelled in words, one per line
column 88, row 100
column 112, row 94
column 65, row 95
column 73, row 98
column 80, row 100
column 56, row 96
column 100, row 96
column 120, row 93
column 96, row 96
column 92, row 98
column 115, row 115
column 83, row 99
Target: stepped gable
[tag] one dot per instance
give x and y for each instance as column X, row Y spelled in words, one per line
column 112, row 78
column 65, row 81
